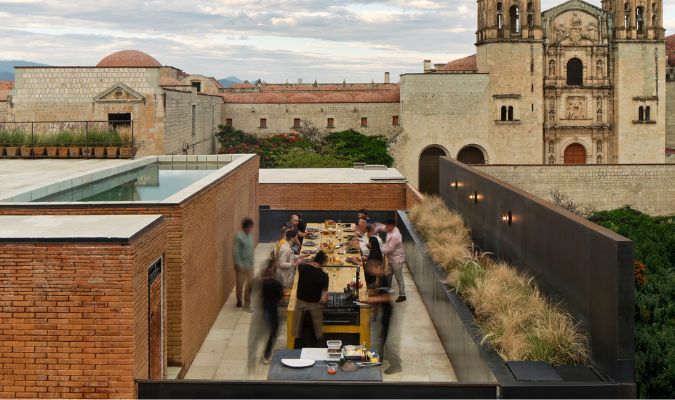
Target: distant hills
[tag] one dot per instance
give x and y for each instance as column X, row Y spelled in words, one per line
column 229, row 81
column 7, row 68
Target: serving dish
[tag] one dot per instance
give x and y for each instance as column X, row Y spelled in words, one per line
column 297, row 362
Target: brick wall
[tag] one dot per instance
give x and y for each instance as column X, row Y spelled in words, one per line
column 73, row 317
column 647, row 188
column 412, row 196
column 371, row 196
column 346, row 116
column 199, row 252
column 178, row 123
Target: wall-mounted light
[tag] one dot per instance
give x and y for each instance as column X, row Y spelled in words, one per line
column 474, row 197
column 455, row 185
column 252, row 109
column 508, row 218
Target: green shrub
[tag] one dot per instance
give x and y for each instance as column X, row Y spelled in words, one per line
column 308, row 158
column 14, row 138
column 654, row 239
column 356, row 147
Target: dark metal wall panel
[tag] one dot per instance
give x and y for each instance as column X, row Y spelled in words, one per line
column 587, row 267
column 310, row 390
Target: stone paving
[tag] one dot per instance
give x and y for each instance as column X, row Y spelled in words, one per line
column 224, row 355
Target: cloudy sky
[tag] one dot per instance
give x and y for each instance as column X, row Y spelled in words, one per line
column 276, row 40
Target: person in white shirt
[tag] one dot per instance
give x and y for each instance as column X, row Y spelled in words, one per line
column 287, row 261
column 393, row 249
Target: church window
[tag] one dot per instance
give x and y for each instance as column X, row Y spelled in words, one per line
column 514, row 19
column 296, row 123
column 641, row 113
column 648, row 111
column 330, row 123
column 500, row 17
column 510, row 113
column 575, row 72
column 626, row 16
column 263, row 123
column 504, row 113
column 640, row 19
column 654, row 21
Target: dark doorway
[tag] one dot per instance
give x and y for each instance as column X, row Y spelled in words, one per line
column 471, row 155
column 119, row 120
column 575, row 72
column 429, row 169
column 155, row 334
column 575, row 154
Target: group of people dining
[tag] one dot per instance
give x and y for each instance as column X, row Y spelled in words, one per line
column 374, row 252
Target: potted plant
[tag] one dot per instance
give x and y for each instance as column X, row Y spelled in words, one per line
column 127, row 149
column 114, row 143
column 97, row 140
column 74, row 148
column 3, row 141
column 87, row 150
column 13, row 143
column 26, row 146
column 63, row 140
column 39, row 146
column 49, row 142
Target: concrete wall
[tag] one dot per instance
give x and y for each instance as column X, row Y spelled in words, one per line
column 346, row 116
column 74, row 317
column 646, row 188
column 179, row 122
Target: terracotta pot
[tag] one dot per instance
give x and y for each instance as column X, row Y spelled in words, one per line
column 39, row 151
column 63, row 152
column 12, row 151
column 52, row 151
column 75, row 151
column 111, row 151
column 86, row 152
column 127, row 152
column 26, row 152
column 99, row 152
column 2, row 152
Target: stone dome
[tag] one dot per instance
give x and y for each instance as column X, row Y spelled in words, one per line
column 129, row 58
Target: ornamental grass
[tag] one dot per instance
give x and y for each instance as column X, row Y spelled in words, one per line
column 516, row 320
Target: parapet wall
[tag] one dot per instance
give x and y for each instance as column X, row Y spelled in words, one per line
column 647, row 188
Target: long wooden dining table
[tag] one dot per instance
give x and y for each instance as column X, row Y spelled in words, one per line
column 335, row 241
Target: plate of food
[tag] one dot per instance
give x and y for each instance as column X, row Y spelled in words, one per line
column 309, row 243
column 309, row 252
column 311, row 230
column 353, row 250
column 312, row 236
column 297, row 362
column 348, row 230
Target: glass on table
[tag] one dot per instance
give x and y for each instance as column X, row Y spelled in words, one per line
column 332, row 368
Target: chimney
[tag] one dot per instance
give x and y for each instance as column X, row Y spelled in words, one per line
column 427, row 65
column 386, row 77
column 299, row 81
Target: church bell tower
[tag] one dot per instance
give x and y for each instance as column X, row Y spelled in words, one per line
column 500, row 20
column 636, row 19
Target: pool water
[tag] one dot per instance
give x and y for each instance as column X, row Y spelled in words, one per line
column 154, row 182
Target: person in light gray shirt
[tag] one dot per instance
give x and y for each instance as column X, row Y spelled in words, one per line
column 243, row 263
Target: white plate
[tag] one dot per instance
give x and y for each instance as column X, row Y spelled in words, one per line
column 297, row 362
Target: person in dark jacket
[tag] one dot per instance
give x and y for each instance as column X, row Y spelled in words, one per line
column 272, row 292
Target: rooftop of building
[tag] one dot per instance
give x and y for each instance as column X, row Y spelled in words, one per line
column 74, row 228
column 330, row 175
column 279, row 94
column 129, row 59
column 466, row 64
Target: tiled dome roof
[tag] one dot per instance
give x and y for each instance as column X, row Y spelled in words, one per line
column 129, row 58
column 670, row 49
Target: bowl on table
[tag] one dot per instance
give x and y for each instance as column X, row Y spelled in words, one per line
column 310, row 243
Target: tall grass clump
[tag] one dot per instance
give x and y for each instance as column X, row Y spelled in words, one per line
column 512, row 314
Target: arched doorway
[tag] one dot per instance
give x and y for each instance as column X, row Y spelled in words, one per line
column 575, row 154
column 429, row 174
column 471, row 155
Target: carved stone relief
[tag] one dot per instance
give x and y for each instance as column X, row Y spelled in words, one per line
column 576, row 107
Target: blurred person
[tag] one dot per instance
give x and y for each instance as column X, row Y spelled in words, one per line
column 243, row 263
column 312, row 289
column 374, row 261
column 363, row 214
column 393, row 249
column 362, row 236
column 298, row 225
column 287, row 261
column 389, row 329
column 272, row 292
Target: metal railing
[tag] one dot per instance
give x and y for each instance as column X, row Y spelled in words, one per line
column 83, row 139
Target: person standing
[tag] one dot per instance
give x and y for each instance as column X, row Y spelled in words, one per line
column 393, row 249
column 272, row 292
column 287, row 261
column 312, row 288
column 243, row 263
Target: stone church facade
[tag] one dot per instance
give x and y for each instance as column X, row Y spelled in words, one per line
column 575, row 84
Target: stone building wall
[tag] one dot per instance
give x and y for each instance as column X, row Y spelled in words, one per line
column 208, row 85
column 435, row 110
column 3, row 111
column 644, row 187
column 640, row 81
column 670, row 114
column 90, row 94
column 182, row 130
column 280, row 117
